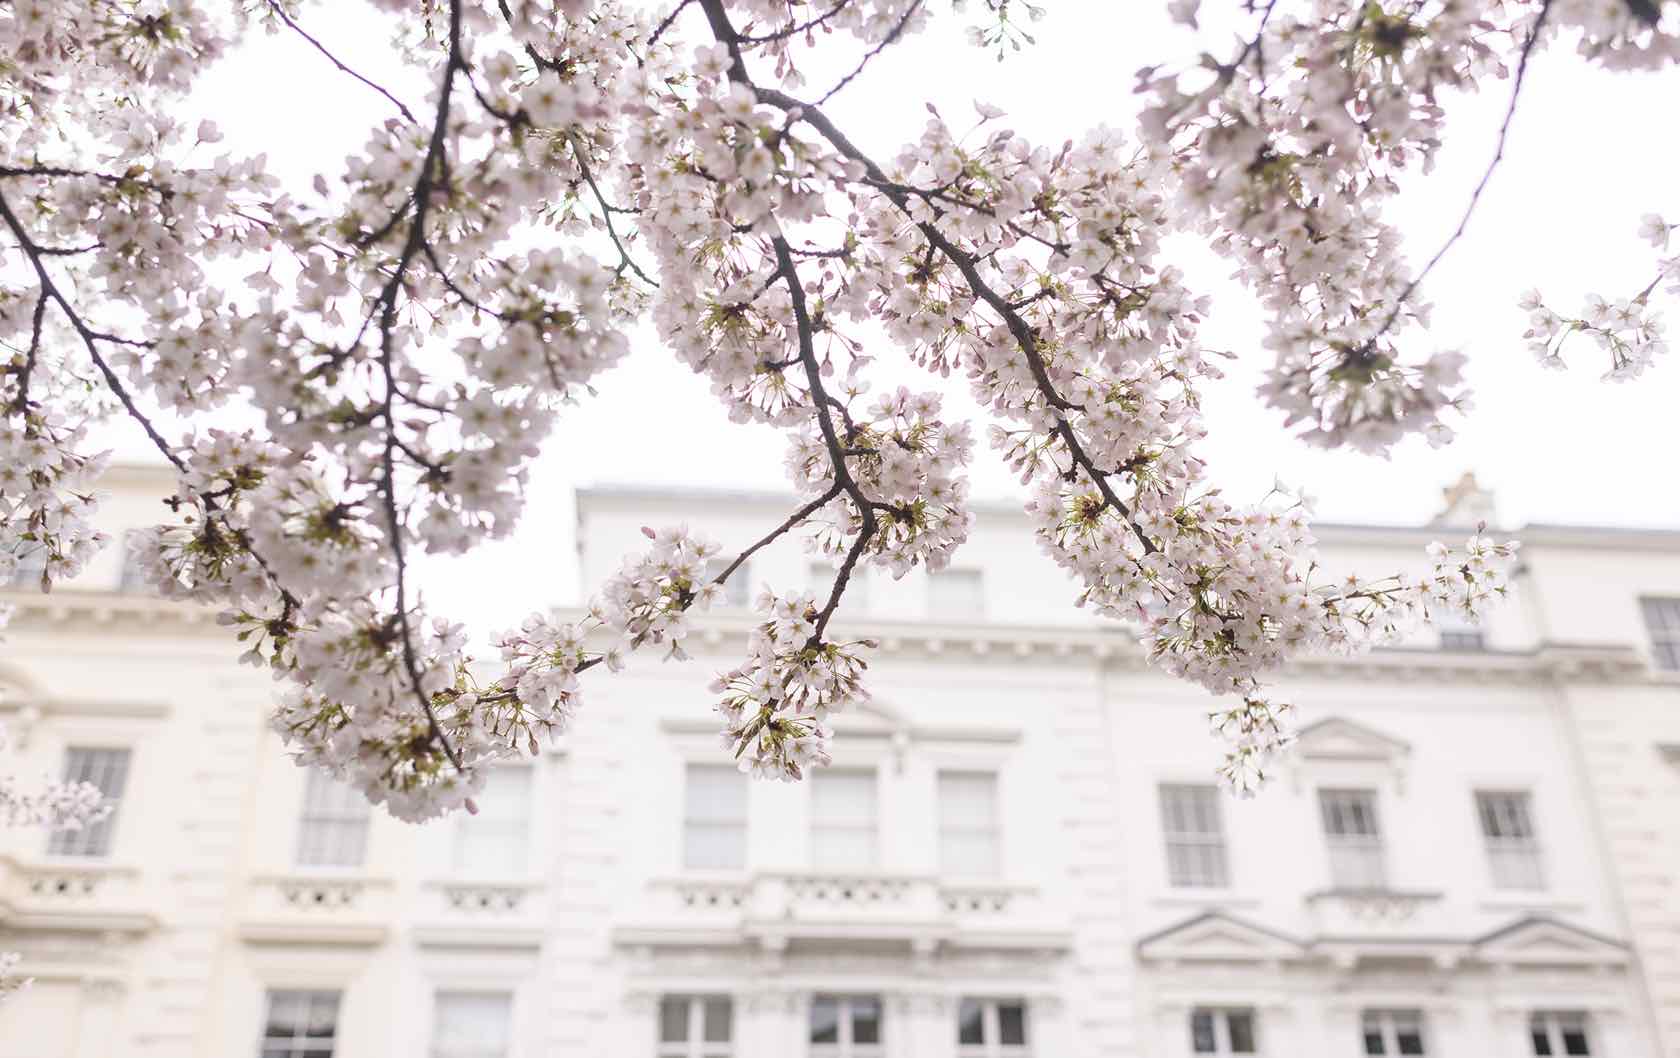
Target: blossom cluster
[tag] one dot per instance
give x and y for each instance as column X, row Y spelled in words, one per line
column 775, row 706
column 408, row 328
column 1628, row 331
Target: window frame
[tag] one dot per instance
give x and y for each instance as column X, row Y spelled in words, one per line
column 1199, row 842
column 1221, row 1021
column 991, row 1031
column 131, row 578
column 1661, row 616
column 820, row 576
column 32, row 558
column 694, row 1044
column 937, row 608
column 948, row 826
column 743, row 825
column 872, row 783
column 737, row 590
column 1457, row 631
column 520, row 827
column 845, row 1046
column 319, row 786
column 298, row 1046
column 439, row 995
column 1552, row 1023
column 1504, row 852
column 1388, row 1023
column 80, row 843
column 1345, row 849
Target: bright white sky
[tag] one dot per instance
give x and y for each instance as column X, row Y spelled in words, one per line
column 1585, row 161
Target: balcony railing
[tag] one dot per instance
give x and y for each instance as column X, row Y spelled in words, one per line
column 72, row 894
column 457, row 912
column 328, row 908
column 1375, row 912
column 860, row 905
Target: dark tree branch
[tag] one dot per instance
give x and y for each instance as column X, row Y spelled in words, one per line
column 965, row 262
column 793, row 520
column 607, row 210
column 1481, row 185
column 90, row 337
column 891, row 38
column 322, row 48
column 431, row 169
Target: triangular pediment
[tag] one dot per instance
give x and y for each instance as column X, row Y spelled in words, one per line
column 1335, row 738
column 1540, row 941
column 1217, row 937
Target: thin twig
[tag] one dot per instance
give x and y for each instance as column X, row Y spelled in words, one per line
column 1481, row 185
column 274, row 5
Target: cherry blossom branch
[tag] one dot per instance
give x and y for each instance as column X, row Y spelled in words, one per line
column 825, row 423
column 430, row 168
column 280, row 12
column 891, row 38
column 607, row 210
column 20, row 403
column 794, row 30
column 966, row 264
column 1482, row 184
column 794, row 520
column 90, row 337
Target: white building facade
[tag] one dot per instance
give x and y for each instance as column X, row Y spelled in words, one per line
column 1018, row 853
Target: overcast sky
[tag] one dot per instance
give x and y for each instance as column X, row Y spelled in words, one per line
column 1585, row 161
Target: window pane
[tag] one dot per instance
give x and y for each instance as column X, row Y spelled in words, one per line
column 971, row 1022
column 472, row 1024
column 715, row 813
column 333, row 829
column 321, row 1022
column 300, row 1024
column 1012, row 1023
column 969, row 853
column 1662, row 621
column 717, row 1020
column 856, row 598
column 673, row 1020
column 715, row 847
column 825, row 1020
column 493, row 843
column 843, row 814
column 106, row 769
column 1374, row 1040
column 737, row 590
column 1241, row 1024
column 1539, row 1034
column 968, row 814
column 1354, row 838
column 1575, row 1039
column 957, row 594
column 866, row 1020
column 1349, row 813
column 1201, row 1033
column 717, row 793
column 1194, row 833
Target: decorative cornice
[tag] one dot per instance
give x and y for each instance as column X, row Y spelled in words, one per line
column 1174, row 945
column 308, row 933
column 106, row 611
column 1111, row 647
column 501, row 937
